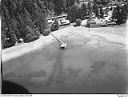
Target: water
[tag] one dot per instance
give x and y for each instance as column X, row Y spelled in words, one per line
column 89, row 64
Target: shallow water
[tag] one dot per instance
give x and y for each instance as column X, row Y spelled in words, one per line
column 80, row 68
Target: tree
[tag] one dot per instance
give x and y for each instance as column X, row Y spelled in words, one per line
column 83, row 10
column 119, row 15
column 59, row 6
column 101, row 12
column 74, row 13
column 55, row 25
column 69, row 3
column 95, row 10
column 22, row 19
column 103, row 2
column 31, row 35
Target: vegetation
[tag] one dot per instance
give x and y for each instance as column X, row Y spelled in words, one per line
column 83, row 11
column 78, row 22
column 46, row 32
column 24, row 19
column 62, row 5
column 78, row 11
column 103, row 2
column 119, row 14
column 74, row 12
column 55, row 25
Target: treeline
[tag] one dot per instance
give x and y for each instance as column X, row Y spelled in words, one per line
column 24, row 19
column 78, row 11
column 75, row 9
column 82, row 11
column 64, row 5
column 103, row 2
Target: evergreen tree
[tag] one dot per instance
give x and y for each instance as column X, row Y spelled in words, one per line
column 69, row 3
column 55, row 25
column 103, row 2
column 83, row 11
column 74, row 13
column 59, row 6
column 119, row 15
column 22, row 18
column 95, row 10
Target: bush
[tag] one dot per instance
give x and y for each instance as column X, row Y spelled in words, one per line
column 78, row 22
column 46, row 32
column 31, row 37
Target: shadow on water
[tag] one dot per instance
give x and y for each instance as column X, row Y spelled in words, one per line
column 97, row 67
column 56, row 78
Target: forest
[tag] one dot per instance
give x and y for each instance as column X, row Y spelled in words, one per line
column 27, row 19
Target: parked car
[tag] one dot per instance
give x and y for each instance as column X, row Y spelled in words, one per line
column 50, row 21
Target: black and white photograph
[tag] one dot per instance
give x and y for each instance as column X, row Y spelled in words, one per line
column 64, row 47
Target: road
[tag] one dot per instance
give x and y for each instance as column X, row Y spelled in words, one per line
column 95, row 61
